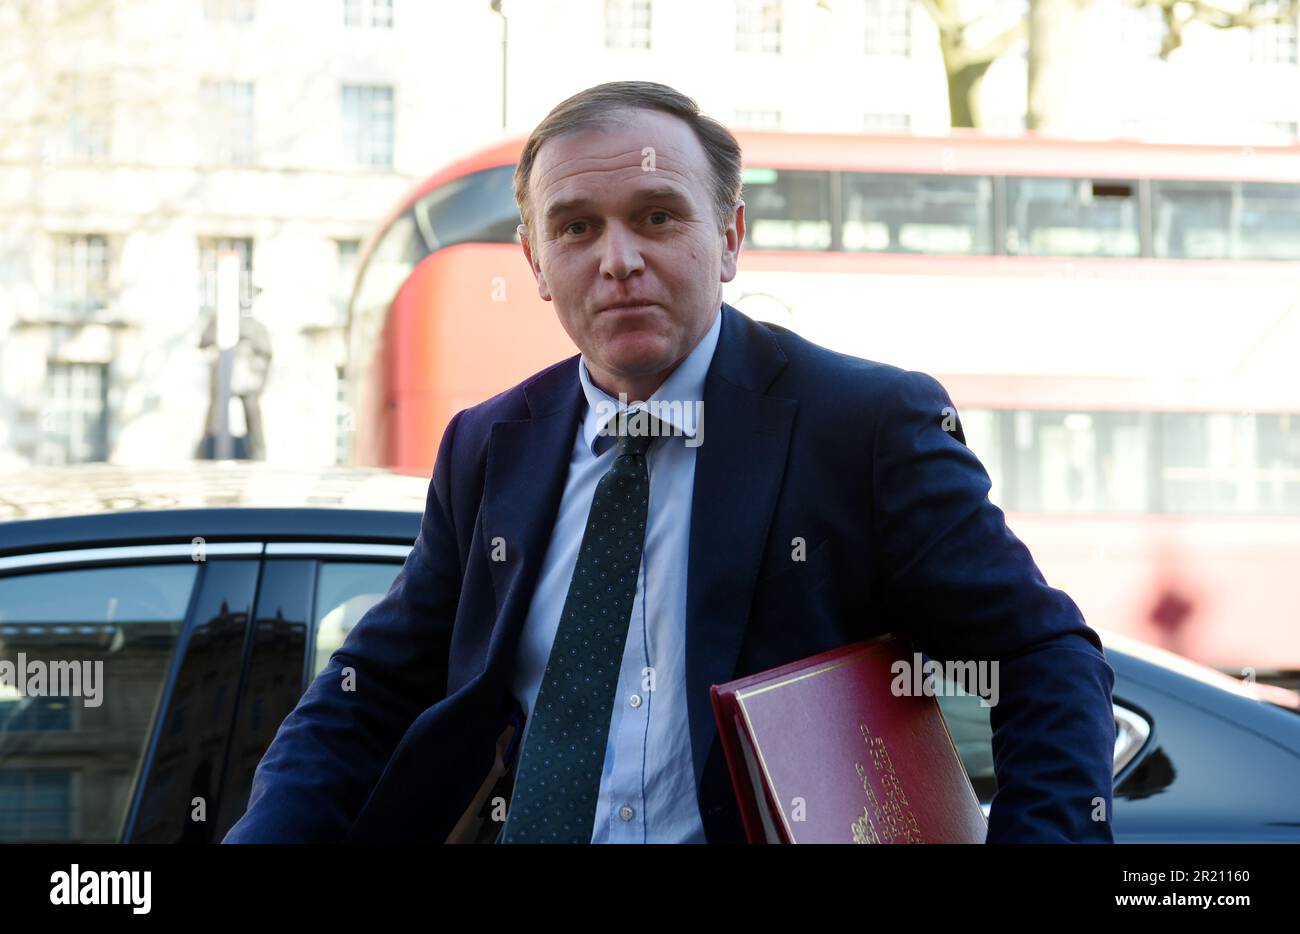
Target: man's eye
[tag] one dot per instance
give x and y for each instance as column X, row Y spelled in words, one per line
column 569, row 227
column 664, row 214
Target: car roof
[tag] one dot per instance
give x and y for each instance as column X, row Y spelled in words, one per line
column 67, row 506
column 82, row 489
column 1115, row 642
column 73, row 506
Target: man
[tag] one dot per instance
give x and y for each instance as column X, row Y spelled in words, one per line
column 590, row 581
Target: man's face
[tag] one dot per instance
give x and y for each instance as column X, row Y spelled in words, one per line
column 624, row 215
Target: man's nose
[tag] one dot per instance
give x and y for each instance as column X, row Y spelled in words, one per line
column 620, row 254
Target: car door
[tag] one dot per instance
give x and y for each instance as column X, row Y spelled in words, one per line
column 310, row 596
column 119, row 686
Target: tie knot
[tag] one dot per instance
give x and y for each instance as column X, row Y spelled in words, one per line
column 635, row 432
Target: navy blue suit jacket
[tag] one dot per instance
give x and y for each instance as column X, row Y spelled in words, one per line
column 850, row 455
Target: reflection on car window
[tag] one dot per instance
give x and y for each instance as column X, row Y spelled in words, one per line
column 83, row 660
column 344, row 592
column 972, row 734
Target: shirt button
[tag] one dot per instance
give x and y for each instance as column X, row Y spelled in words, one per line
column 625, row 812
column 635, row 700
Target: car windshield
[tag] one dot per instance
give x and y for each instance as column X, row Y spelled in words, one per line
column 1246, row 687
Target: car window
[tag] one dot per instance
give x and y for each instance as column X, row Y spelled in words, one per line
column 972, row 734
column 84, row 656
column 344, row 592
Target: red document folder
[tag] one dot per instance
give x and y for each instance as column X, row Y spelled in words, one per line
column 823, row 751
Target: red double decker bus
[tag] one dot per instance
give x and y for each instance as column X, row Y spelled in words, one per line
column 1117, row 323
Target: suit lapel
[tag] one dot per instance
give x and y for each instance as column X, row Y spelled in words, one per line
column 527, row 466
column 738, row 471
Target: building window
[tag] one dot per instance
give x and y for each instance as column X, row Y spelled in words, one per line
column 75, row 421
column 887, row 121
column 41, row 715
column 210, row 250
column 361, row 13
column 237, row 12
column 82, row 118
column 758, row 25
column 342, row 418
column 228, row 110
column 81, row 273
column 368, row 125
column 1273, row 43
column 758, row 119
column 349, row 252
column 36, row 806
column 627, row 24
column 889, row 28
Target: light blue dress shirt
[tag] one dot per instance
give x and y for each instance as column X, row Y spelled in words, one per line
column 647, row 789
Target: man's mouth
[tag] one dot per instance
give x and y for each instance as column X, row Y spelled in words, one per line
column 632, row 306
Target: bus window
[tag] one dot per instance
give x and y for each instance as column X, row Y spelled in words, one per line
column 1269, row 221
column 1226, row 220
column 1192, row 220
column 1177, row 463
column 787, row 210
column 389, row 265
column 478, row 208
column 1230, row 462
column 1072, row 217
column 980, row 426
column 1277, row 443
column 1074, row 461
column 896, row 213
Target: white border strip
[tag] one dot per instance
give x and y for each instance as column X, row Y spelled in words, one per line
column 126, row 553
column 337, row 548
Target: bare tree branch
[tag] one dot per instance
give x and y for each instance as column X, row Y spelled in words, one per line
column 996, row 47
column 944, row 14
column 1256, row 13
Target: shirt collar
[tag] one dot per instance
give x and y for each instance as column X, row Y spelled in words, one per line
column 685, row 385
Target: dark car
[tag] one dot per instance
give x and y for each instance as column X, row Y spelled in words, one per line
column 214, row 593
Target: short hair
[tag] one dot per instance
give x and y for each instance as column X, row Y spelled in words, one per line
column 598, row 106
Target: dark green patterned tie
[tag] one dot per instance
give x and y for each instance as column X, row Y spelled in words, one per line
column 558, row 777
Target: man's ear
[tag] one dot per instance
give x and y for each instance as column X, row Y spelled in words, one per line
column 732, row 236
column 542, row 290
